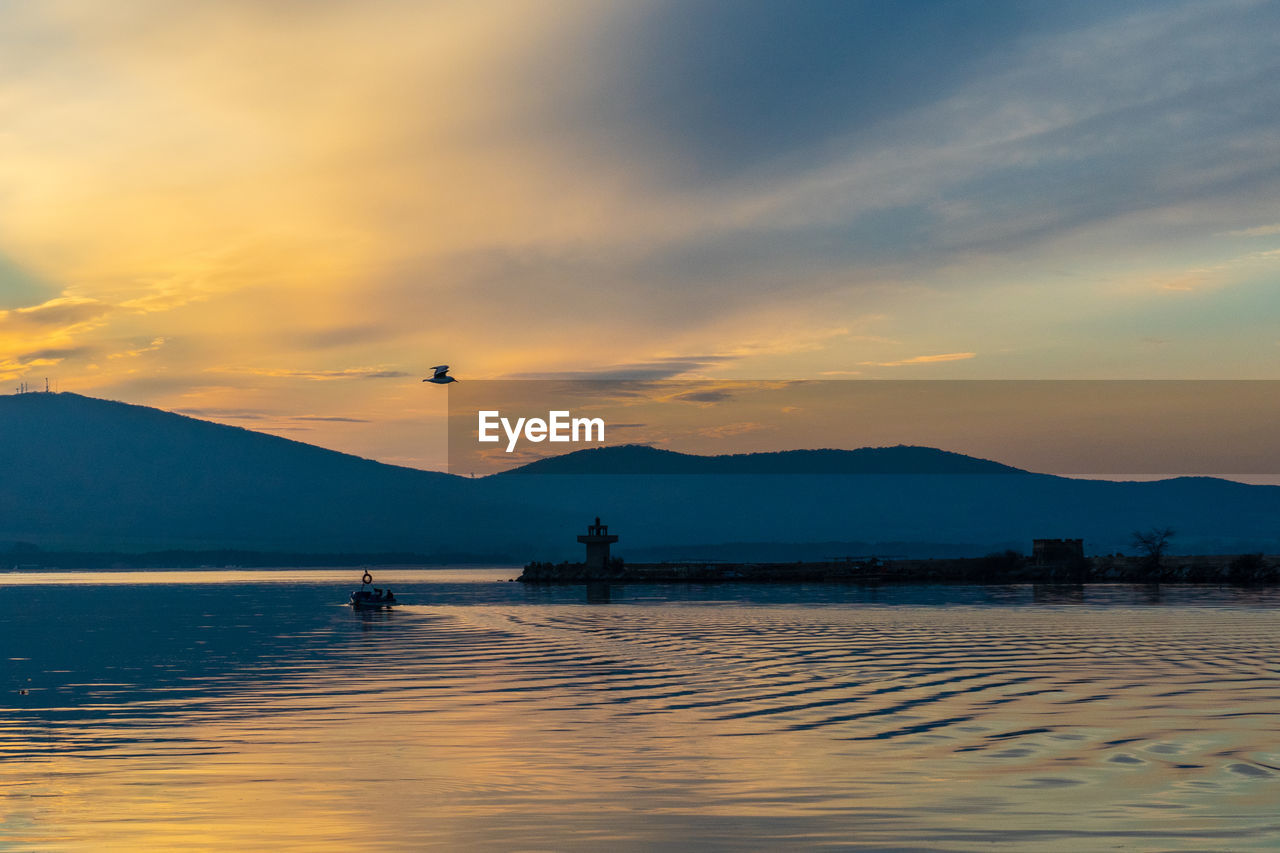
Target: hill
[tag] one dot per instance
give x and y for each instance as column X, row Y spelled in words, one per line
column 641, row 459
column 81, row 472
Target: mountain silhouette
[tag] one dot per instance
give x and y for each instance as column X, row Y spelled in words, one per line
column 642, row 459
column 83, row 473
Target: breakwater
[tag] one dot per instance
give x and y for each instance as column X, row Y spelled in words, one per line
column 1009, row 567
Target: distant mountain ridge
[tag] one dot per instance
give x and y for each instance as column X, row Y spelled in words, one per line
column 83, row 474
column 643, row 459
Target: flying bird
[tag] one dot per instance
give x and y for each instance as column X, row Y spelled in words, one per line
column 441, row 375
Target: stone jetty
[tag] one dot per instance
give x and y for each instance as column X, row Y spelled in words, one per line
column 1051, row 561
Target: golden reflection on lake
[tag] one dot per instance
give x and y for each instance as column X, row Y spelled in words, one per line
column 221, row 715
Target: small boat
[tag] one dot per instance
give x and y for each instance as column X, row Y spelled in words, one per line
column 373, row 598
column 370, row 596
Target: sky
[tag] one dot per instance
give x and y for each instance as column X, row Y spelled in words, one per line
column 280, row 214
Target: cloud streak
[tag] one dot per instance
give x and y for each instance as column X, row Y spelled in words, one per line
column 316, row 375
column 924, row 359
column 62, row 311
column 137, row 351
column 669, row 367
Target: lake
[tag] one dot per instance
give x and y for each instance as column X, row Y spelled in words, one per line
column 252, row 709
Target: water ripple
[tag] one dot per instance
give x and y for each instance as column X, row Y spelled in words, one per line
column 557, row 726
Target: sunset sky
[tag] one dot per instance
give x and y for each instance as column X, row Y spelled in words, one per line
column 280, row 214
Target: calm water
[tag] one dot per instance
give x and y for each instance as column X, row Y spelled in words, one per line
column 251, row 709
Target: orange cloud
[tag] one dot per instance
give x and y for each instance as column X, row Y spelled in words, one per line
column 64, row 311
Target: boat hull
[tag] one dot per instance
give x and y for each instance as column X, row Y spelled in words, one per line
column 363, row 600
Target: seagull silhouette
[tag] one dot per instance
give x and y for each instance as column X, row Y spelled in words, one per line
column 441, row 375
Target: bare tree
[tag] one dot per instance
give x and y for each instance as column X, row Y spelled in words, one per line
column 1152, row 543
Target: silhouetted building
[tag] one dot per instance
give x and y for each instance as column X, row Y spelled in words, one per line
column 1051, row 552
column 597, row 539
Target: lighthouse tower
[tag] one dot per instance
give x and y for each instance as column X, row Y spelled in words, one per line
column 597, row 539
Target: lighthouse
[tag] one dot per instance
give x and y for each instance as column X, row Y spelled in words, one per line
column 597, row 539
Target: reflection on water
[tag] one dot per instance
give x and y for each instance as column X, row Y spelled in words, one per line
column 251, row 710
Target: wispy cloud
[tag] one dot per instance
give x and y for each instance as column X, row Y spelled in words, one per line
column 61, row 311
column 697, row 365
column 1217, row 274
column 155, row 344
column 316, row 375
column 731, row 430
column 46, row 334
column 1258, row 231
column 227, row 414
column 55, row 354
column 711, row 396
column 329, row 419
column 218, row 413
column 670, row 367
column 923, row 359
